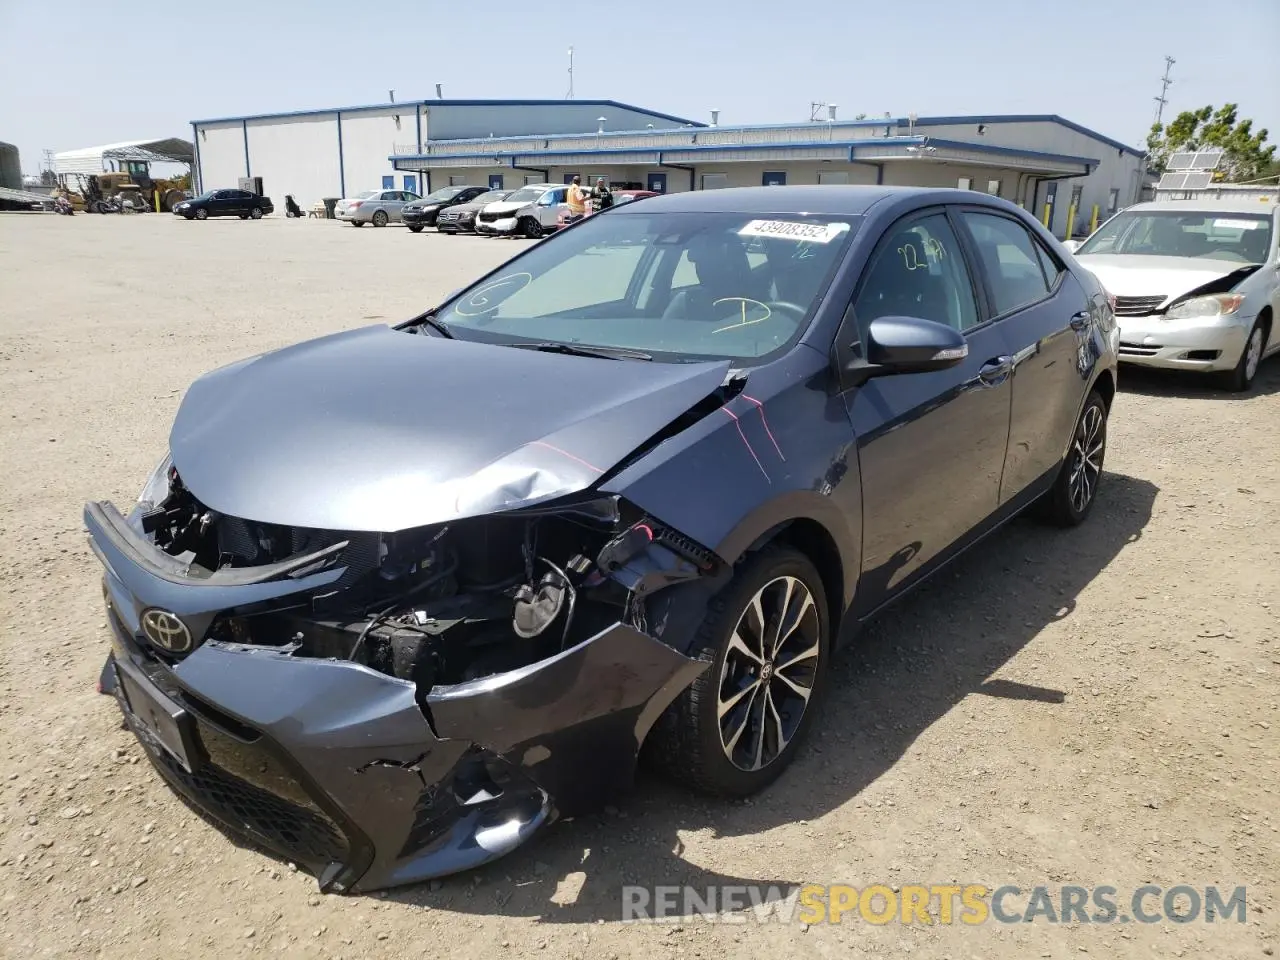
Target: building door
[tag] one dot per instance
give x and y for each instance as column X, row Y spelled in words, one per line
column 774, row 179
column 495, row 181
column 1050, row 199
column 657, row 182
column 389, row 182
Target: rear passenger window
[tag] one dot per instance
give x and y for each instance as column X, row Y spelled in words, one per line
column 1010, row 260
column 918, row 271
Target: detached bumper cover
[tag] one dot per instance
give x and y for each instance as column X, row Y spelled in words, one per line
column 338, row 768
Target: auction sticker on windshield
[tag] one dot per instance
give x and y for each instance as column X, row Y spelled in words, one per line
column 794, row 230
column 1240, row 224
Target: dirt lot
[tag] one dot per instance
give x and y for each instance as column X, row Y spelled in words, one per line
column 1091, row 707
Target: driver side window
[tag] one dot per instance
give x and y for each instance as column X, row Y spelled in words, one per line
column 918, row 271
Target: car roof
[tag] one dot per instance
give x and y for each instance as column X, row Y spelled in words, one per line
column 1208, row 205
column 843, row 199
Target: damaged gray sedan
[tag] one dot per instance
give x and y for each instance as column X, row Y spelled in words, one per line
column 399, row 597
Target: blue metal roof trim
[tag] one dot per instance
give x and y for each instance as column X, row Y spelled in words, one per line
column 668, row 148
column 670, row 131
column 1028, row 118
column 501, row 158
column 1011, row 151
column 412, row 104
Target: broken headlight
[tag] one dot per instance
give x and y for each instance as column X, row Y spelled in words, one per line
column 156, row 490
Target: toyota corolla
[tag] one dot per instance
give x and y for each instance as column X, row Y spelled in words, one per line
column 398, row 597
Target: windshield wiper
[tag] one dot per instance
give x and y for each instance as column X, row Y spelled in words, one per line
column 429, row 320
column 573, row 349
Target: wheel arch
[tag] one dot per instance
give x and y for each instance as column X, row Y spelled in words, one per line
column 811, row 525
column 1105, row 385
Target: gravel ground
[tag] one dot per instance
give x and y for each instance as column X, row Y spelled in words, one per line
column 1097, row 706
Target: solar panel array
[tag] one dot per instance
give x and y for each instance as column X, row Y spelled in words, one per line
column 1195, row 160
column 1185, row 180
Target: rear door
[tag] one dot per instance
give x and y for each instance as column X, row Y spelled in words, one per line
column 1045, row 315
column 931, row 446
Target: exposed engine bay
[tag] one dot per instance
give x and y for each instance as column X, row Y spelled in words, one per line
column 442, row 604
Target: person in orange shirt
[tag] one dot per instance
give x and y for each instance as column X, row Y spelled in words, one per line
column 577, row 200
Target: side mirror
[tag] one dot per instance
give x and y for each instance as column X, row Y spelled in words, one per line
column 1072, row 245
column 911, row 345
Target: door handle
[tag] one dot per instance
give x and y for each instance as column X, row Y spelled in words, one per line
column 1080, row 320
column 995, row 370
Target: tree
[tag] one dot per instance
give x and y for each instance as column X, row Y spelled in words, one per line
column 1245, row 155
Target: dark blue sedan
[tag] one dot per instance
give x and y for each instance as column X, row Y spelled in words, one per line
column 399, row 597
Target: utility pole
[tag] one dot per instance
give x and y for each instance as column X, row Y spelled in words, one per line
column 1164, row 88
column 569, row 95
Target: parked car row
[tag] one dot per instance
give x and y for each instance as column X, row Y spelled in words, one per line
column 533, row 210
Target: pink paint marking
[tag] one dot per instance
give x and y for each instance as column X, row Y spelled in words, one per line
column 566, row 453
column 765, row 421
column 747, row 443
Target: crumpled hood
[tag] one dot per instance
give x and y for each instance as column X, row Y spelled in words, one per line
column 377, row 429
column 507, row 207
column 1131, row 275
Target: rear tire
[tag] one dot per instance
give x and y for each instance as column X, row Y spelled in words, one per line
column 243, row 216
column 415, row 228
column 1240, row 379
column 357, row 223
column 1069, row 501
column 380, row 218
column 740, row 724
column 255, row 213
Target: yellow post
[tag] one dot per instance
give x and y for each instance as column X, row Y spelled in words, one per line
column 155, row 195
column 1045, row 219
column 1071, row 221
column 1093, row 222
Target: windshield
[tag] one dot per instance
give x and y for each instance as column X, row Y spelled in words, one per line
column 490, row 197
column 367, row 194
column 525, row 194
column 444, row 193
column 679, row 286
column 1208, row 235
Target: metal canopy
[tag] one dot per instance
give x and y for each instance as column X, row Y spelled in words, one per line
column 93, row 159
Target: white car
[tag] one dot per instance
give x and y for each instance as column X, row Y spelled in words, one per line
column 378, row 207
column 531, row 211
column 1196, row 284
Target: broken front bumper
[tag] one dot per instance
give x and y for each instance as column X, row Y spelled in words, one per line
column 340, row 769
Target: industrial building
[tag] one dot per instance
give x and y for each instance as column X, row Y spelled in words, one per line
column 1058, row 169
column 313, row 154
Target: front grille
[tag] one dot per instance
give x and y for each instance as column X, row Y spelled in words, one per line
column 1138, row 349
column 301, row 835
column 1138, row 306
column 491, row 217
column 447, row 217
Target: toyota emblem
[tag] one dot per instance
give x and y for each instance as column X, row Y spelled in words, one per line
column 166, row 631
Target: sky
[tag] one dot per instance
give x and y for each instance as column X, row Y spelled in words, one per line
column 76, row 74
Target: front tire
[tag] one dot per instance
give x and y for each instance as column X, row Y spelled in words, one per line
column 531, row 228
column 1071, row 498
column 1240, row 379
column 415, row 228
column 766, row 637
column 380, row 218
column 202, row 214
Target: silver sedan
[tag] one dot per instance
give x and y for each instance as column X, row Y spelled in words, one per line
column 378, row 207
